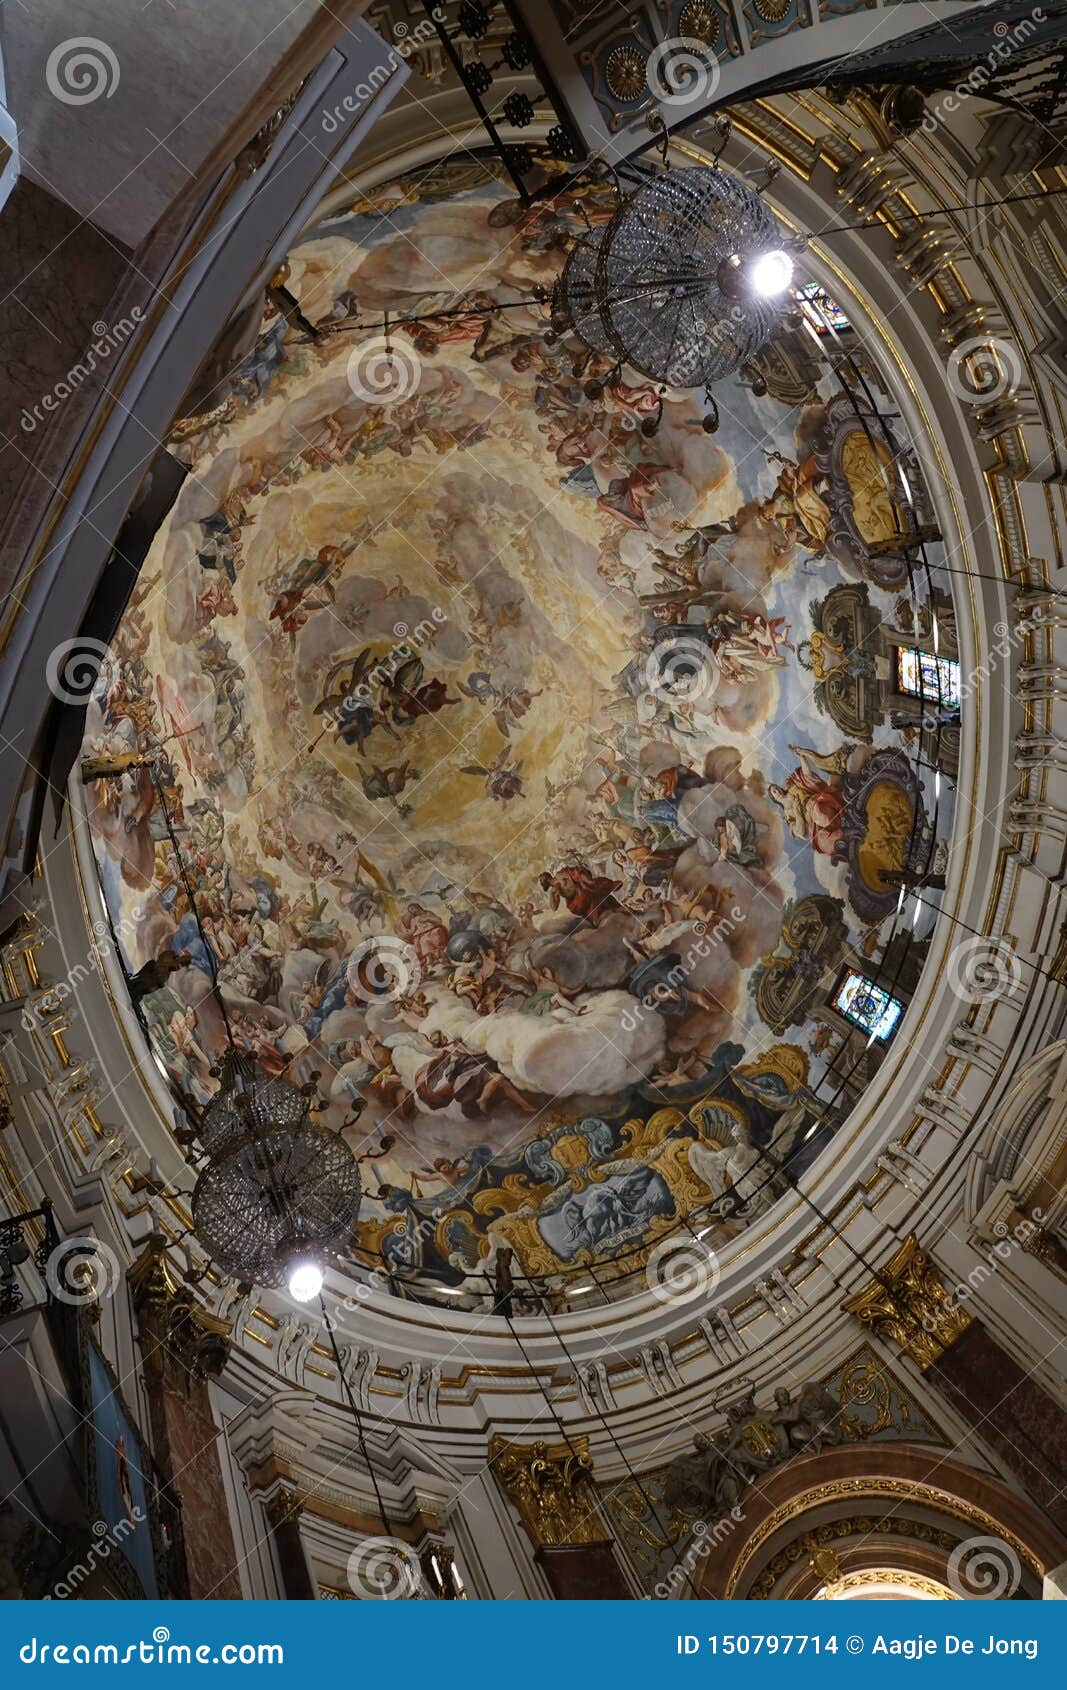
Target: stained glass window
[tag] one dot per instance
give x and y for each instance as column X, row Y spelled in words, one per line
column 923, row 675
column 822, row 312
column 867, row 1005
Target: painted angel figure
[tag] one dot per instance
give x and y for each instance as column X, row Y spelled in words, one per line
column 503, row 780
column 812, row 799
column 306, row 587
column 347, row 702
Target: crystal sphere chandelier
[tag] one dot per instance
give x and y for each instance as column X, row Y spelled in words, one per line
column 279, row 1194
column 683, row 284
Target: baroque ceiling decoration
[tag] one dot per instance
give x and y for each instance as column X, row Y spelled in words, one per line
column 543, row 778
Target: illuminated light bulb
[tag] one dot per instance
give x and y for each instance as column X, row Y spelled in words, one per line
column 305, row 1279
column 771, row 273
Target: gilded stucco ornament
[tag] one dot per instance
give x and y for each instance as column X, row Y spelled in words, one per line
column 625, row 73
column 551, row 1486
column 698, row 22
column 909, row 1305
column 283, row 1507
column 195, row 1342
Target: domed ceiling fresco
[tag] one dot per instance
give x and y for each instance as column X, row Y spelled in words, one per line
column 536, row 770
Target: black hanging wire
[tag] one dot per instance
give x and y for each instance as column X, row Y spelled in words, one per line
column 357, row 1416
column 505, row 1310
column 935, row 211
column 193, row 906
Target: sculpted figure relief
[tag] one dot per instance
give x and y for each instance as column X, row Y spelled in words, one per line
column 711, row 1478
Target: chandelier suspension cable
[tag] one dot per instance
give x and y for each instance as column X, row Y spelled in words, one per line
column 1002, row 580
column 991, row 939
column 357, row 1416
column 193, row 907
column 936, row 211
column 692, row 285
column 602, row 1417
column 832, row 1227
column 553, row 1410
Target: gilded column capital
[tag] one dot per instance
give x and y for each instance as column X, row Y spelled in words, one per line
column 282, row 1507
column 551, row 1486
column 1048, row 1249
column 909, row 1305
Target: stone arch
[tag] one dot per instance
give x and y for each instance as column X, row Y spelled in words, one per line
column 889, row 1505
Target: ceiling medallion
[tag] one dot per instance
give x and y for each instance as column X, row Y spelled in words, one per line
column 625, row 73
column 772, row 11
column 698, row 22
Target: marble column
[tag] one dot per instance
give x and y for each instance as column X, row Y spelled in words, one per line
column 908, row 1305
column 1009, row 1409
column 551, row 1488
column 283, row 1512
column 182, row 1347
